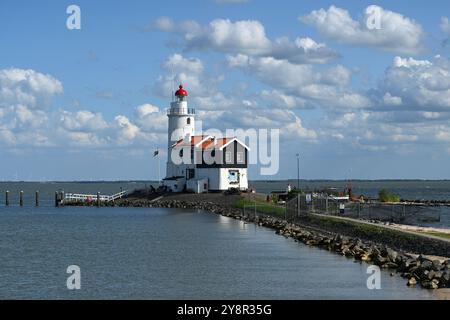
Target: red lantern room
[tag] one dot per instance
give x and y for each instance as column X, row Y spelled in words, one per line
column 181, row 94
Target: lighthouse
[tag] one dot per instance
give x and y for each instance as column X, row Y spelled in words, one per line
column 214, row 163
column 181, row 125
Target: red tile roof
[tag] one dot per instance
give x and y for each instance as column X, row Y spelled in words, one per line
column 208, row 143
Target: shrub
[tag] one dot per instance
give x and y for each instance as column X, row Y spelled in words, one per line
column 387, row 196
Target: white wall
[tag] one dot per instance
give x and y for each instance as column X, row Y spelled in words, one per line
column 225, row 184
column 178, row 124
column 218, row 178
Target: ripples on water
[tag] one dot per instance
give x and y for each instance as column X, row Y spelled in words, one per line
column 163, row 253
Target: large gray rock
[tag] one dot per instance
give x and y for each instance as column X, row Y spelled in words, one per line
column 437, row 266
column 412, row 282
column 426, row 264
column 392, row 255
column 429, row 284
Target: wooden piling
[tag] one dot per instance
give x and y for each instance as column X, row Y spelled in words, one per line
column 7, row 198
column 21, row 199
column 56, row 199
column 98, row 199
column 37, row 198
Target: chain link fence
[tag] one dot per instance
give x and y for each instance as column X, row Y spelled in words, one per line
column 304, row 204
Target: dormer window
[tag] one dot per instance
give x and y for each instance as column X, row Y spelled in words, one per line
column 228, row 157
column 240, row 157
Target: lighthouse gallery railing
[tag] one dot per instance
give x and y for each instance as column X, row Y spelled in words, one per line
column 181, row 111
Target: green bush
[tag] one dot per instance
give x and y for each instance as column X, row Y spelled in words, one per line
column 293, row 193
column 387, row 196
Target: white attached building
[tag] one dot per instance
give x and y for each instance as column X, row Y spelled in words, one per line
column 201, row 163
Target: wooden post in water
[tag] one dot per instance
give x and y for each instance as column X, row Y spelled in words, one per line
column 7, row 198
column 98, row 199
column 37, row 198
column 56, row 199
column 21, row 199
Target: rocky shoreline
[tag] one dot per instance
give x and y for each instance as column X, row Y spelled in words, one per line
column 417, row 269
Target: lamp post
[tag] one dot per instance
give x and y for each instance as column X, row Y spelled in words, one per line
column 298, row 171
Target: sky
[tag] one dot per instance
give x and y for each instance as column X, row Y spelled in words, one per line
column 359, row 89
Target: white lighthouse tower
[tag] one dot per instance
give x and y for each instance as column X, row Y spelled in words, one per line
column 181, row 124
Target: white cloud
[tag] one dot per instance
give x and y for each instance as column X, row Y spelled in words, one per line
column 24, row 103
column 290, row 125
column 328, row 88
column 418, row 84
column 397, row 34
column 445, row 25
column 443, row 135
column 150, row 119
column 83, row 120
column 187, row 71
column 27, row 87
column 164, row 24
column 245, row 37
column 391, row 100
column 410, row 62
column 278, row 99
column 146, row 109
column 181, row 64
column 404, row 138
column 7, row 137
column 126, row 131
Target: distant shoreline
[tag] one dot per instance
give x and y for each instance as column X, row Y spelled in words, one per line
column 250, row 181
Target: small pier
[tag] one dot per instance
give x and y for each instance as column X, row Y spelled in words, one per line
column 62, row 198
column 89, row 198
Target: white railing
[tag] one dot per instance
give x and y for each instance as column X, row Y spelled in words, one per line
column 77, row 197
column 181, row 111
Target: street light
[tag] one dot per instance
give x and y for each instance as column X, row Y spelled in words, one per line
column 298, row 171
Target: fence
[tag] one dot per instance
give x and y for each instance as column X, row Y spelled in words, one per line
column 277, row 211
column 303, row 205
column 395, row 212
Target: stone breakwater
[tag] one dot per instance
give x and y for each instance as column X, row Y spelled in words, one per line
column 418, row 270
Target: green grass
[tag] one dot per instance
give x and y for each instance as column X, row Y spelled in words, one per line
column 438, row 234
column 261, row 206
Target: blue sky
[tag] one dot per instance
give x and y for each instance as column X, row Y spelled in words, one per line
column 90, row 103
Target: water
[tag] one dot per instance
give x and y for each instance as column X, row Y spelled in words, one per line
column 407, row 189
column 165, row 253
column 47, row 189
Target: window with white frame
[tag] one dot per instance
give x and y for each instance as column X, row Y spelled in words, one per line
column 228, row 158
column 240, row 157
